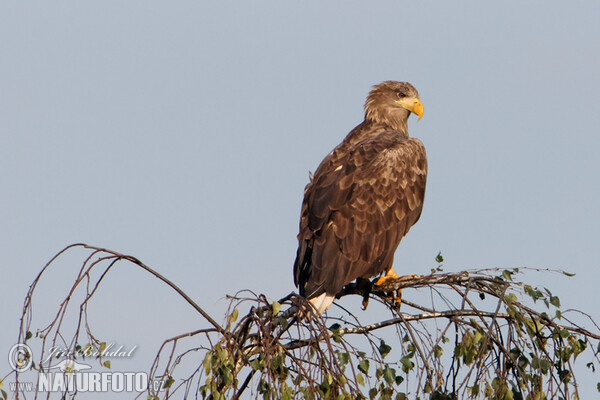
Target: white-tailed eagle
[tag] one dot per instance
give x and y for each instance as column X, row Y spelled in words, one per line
column 363, row 198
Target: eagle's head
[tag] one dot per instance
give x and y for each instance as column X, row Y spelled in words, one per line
column 390, row 103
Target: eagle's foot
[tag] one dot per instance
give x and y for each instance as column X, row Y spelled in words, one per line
column 365, row 302
column 394, row 297
column 398, row 299
column 391, row 274
column 365, row 286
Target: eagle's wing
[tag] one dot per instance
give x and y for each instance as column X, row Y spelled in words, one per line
column 361, row 201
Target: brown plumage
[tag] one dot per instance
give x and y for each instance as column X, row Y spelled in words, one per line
column 363, row 198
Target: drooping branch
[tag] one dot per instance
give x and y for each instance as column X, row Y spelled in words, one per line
column 498, row 341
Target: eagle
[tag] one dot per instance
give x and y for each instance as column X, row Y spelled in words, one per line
column 362, row 199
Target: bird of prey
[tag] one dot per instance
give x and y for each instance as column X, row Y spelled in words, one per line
column 363, row 198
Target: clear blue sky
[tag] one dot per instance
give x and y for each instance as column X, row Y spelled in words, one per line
column 183, row 133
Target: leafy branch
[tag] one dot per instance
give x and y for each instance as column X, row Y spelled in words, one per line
column 479, row 335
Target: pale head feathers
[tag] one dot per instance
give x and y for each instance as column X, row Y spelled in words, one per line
column 382, row 107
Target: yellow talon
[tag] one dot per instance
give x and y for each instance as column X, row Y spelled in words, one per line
column 395, row 298
column 391, row 274
column 398, row 297
column 365, row 302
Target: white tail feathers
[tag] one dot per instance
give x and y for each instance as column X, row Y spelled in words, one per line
column 321, row 303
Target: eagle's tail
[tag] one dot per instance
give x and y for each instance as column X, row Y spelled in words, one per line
column 322, row 302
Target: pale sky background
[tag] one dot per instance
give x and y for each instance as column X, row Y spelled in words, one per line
column 182, row 133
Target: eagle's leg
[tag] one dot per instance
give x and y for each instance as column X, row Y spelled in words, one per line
column 397, row 296
column 364, row 286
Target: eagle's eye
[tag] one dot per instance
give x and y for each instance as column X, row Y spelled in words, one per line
column 401, row 95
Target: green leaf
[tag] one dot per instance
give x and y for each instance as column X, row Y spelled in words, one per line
column 565, row 375
column 535, row 294
column 363, row 366
column 478, row 336
column 384, row 349
column 541, row 364
column 488, row 391
column 263, row 386
column 523, row 362
column 373, row 392
column 468, row 357
column 459, row 350
column 439, row 258
column 335, row 329
column 234, row 315
column 427, row 388
column 534, row 326
column 507, row 275
column 257, row 364
column 360, row 379
column 389, row 374
column 555, row 301
column 283, row 322
column 107, row 364
column 514, row 353
column 102, row 348
column 276, row 362
column 170, row 381
column 276, row 307
column 287, row 394
column 344, row 358
column 545, row 365
column 29, row 335
column 510, row 298
column 207, row 363
column 407, row 364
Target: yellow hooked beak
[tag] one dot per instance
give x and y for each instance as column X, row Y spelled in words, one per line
column 413, row 105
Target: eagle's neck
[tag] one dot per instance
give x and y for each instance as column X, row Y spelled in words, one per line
column 385, row 118
column 371, row 129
